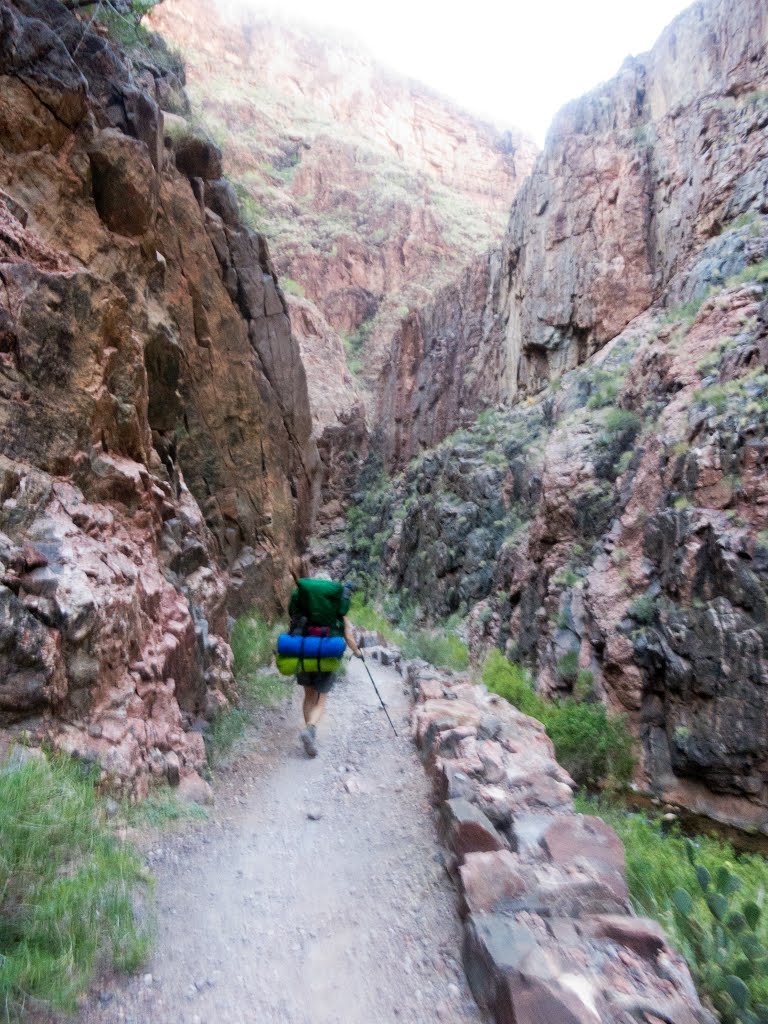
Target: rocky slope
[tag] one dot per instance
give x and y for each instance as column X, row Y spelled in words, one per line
column 612, row 535
column 157, row 471
column 373, row 190
column 604, row 518
column 635, row 178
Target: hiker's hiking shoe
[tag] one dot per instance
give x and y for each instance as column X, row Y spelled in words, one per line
column 308, row 738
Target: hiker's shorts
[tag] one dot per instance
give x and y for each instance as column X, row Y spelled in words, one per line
column 320, row 681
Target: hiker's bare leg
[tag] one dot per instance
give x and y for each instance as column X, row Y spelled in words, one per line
column 316, row 713
column 310, row 699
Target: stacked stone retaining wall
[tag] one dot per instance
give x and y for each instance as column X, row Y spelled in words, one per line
column 549, row 931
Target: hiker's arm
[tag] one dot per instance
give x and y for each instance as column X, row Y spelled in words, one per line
column 349, row 636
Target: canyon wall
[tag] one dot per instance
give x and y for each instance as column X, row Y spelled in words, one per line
column 374, row 190
column 611, row 536
column 157, row 471
column 580, row 422
column 635, row 177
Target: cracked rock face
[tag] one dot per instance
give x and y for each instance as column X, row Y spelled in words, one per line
column 157, row 471
column 635, row 178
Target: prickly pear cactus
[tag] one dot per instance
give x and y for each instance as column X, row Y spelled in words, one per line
column 726, row 953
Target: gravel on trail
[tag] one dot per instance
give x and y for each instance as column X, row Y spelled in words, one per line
column 315, row 894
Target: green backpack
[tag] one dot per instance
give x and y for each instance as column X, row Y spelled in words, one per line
column 321, row 603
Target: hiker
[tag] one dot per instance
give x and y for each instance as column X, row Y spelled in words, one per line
column 318, row 608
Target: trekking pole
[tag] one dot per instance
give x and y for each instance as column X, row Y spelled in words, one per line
column 394, row 730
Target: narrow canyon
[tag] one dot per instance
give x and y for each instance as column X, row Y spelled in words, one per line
column 268, row 308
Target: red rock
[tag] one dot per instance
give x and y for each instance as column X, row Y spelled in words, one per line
column 581, row 838
column 195, row 790
column 487, row 879
column 640, row 934
column 468, row 830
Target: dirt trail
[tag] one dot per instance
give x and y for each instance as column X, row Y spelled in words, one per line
column 269, row 916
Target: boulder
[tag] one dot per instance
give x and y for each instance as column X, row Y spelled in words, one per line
column 573, row 839
column 514, row 978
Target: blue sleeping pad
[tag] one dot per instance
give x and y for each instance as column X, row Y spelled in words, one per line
column 311, row 647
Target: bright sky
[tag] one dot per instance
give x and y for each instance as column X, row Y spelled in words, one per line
column 515, row 62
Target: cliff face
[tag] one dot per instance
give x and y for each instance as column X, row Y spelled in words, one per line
column 634, row 179
column 600, row 512
column 612, row 535
column 156, row 466
column 374, row 191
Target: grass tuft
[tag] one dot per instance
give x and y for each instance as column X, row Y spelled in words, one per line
column 253, row 642
column 67, row 886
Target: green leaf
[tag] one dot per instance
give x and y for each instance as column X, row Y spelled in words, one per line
column 683, row 902
column 744, row 969
column 752, row 913
column 752, row 946
column 690, row 851
column 718, row 905
column 703, row 876
column 727, row 883
column 738, row 991
column 736, row 922
column 761, row 1012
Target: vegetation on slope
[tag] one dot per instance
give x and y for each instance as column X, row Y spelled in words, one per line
column 253, row 642
column 67, row 885
column 710, row 901
column 593, row 746
column 440, row 646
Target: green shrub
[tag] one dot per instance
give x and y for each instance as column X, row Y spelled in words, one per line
column 620, row 421
column 66, row 886
column 568, row 666
column 605, row 386
column 365, row 615
column 514, row 684
column 754, row 272
column 291, row 287
column 584, row 687
column 593, row 746
column 716, row 396
column 689, row 310
column 566, row 578
column 494, row 458
column 643, row 609
column 700, row 892
column 437, row 646
column 253, row 642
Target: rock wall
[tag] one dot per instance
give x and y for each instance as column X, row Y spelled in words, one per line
column 549, row 934
column 612, row 534
column 444, row 365
column 157, row 471
column 375, row 190
column 635, row 177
